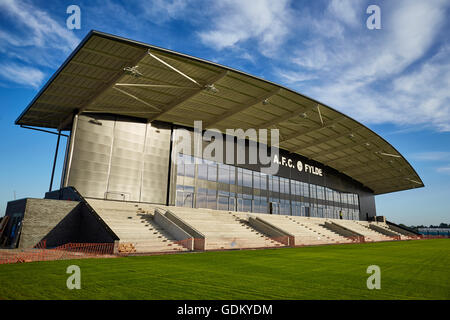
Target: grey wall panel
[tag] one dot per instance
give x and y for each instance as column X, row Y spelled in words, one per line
column 120, row 158
column 156, row 163
column 89, row 167
column 126, row 161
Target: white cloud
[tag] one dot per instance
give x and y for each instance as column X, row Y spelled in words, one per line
column 431, row 156
column 379, row 76
column 22, row 75
column 346, row 11
column 36, row 40
column 236, row 21
column 444, row 169
column 295, row 76
column 160, row 11
column 39, row 29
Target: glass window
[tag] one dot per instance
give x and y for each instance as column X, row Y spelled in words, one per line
column 180, row 165
column 337, row 197
column 223, row 203
column 201, row 198
column 263, row 205
column 212, row 171
column 224, row 174
column 263, row 181
column 232, row 173
column 247, row 178
column 240, row 178
column 312, row 191
column 212, row 199
column 275, row 184
column 189, row 166
column 320, row 193
column 202, row 170
column 305, row 189
column 284, row 185
column 256, row 180
column 247, row 203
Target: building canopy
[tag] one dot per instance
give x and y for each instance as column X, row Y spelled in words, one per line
column 108, row 74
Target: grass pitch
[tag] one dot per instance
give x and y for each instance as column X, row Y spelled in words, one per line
column 409, row 270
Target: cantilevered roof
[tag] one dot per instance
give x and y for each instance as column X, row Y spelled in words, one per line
column 108, row 74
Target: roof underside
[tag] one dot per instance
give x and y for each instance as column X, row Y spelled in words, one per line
column 176, row 88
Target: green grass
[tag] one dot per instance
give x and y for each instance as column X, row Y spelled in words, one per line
column 409, row 270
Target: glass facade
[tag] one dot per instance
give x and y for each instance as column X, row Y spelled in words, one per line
column 207, row 184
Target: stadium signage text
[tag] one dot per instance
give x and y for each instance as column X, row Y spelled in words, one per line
column 287, row 162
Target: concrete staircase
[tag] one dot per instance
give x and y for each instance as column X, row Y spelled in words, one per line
column 303, row 234
column 133, row 223
column 362, row 227
column 315, row 225
column 386, row 227
column 224, row 229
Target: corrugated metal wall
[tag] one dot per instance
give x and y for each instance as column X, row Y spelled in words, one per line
column 119, row 158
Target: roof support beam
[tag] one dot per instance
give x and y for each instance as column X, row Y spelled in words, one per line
column 183, row 98
column 137, row 99
column 173, row 68
column 113, row 79
column 241, row 107
column 157, row 86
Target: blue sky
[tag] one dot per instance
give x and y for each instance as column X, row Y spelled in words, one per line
column 395, row 80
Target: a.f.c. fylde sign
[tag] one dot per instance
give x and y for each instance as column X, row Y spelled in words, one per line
column 297, row 164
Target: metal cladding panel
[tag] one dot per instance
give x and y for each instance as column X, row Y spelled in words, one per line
column 120, row 159
column 126, row 161
column 90, row 163
column 156, row 163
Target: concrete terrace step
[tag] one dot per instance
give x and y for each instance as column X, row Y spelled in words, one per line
column 223, row 229
column 133, row 223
